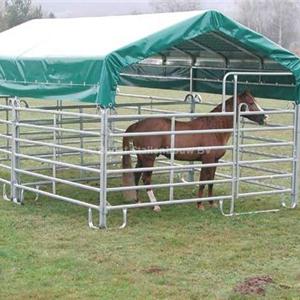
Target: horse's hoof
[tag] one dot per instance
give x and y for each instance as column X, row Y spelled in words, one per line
column 200, row 206
column 214, row 205
column 156, row 208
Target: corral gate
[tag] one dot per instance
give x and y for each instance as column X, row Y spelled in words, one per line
column 49, row 131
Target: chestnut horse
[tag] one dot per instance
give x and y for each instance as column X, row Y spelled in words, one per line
column 184, row 141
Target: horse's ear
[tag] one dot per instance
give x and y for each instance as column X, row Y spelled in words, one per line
column 246, row 93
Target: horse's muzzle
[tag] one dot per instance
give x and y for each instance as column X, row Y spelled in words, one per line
column 264, row 120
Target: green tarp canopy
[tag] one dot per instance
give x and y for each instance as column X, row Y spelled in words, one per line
column 86, row 58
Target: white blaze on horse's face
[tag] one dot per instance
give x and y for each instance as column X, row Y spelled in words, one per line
column 260, row 109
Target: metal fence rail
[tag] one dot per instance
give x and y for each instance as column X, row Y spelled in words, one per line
column 54, row 150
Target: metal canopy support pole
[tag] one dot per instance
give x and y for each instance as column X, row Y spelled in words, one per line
column 15, row 192
column 103, row 169
column 296, row 158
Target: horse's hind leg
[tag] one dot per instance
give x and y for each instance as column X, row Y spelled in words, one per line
column 206, row 174
column 149, row 163
column 210, row 186
column 137, row 177
column 200, row 195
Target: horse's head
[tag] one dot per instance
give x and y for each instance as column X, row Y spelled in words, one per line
column 252, row 105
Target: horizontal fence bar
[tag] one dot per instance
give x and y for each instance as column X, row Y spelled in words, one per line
column 177, row 115
column 141, row 96
column 58, row 163
column 5, row 151
column 247, row 129
column 267, row 145
column 169, row 150
column 257, row 138
column 63, row 181
column 263, row 154
column 5, row 167
column 59, row 129
column 269, row 170
column 265, row 161
column 164, row 185
column 167, row 202
column 2, row 180
column 276, row 176
column 55, row 112
column 174, row 132
column 168, row 168
column 82, row 150
column 265, row 193
column 63, row 198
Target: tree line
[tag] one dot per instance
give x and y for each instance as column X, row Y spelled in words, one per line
column 276, row 19
column 15, row 12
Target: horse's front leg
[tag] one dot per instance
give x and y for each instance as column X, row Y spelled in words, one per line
column 200, row 204
column 201, row 188
column 137, row 177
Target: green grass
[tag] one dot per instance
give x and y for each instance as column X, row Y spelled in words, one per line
column 47, row 250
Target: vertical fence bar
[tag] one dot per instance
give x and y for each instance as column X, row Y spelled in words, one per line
column 172, row 158
column 15, row 162
column 60, row 125
column 7, row 127
column 81, row 140
column 191, row 173
column 242, row 140
column 237, row 149
column 103, row 169
column 235, row 146
column 54, row 156
column 111, row 141
column 296, row 157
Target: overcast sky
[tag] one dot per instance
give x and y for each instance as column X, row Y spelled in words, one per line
column 79, row 8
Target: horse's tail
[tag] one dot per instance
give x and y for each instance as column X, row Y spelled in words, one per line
column 128, row 178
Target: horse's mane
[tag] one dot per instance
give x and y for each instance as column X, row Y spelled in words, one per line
column 218, row 108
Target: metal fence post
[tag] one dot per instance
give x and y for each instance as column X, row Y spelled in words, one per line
column 103, row 168
column 54, row 154
column 296, row 158
column 81, row 140
column 172, row 158
column 15, row 163
column 191, row 173
column 235, row 149
column 7, row 128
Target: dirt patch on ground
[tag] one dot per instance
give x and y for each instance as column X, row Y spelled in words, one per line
column 154, row 270
column 254, row 285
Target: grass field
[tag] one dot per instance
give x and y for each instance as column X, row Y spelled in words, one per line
column 48, row 252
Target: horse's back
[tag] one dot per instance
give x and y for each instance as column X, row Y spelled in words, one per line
column 150, row 124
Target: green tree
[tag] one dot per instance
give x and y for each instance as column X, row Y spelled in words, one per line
column 20, row 11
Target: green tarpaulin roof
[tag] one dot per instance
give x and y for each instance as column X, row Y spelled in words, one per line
column 82, row 58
